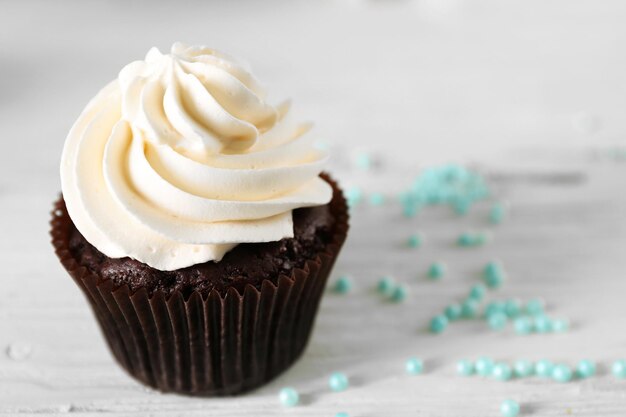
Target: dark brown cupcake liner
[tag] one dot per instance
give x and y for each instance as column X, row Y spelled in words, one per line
column 212, row 345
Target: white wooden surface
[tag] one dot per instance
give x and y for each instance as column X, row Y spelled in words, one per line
column 414, row 82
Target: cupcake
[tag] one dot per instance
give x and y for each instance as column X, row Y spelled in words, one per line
column 196, row 219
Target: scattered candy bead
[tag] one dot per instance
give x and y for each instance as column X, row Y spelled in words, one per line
column 338, row 382
column 523, row 325
column 343, row 285
column 585, row 368
column 436, row 270
column 363, row 161
column 502, row 371
column 453, row 312
column 512, row 308
column 619, row 369
column 469, row 239
column 535, row 307
column 560, row 325
column 438, row 324
column 461, row 206
column 562, row 373
column 542, row 324
column 484, row 366
column 497, row 321
column 354, row 195
column 414, row 366
column 509, row 408
column 289, row 397
column 386, row 286
column 469, row 308
column 493, row 308
column 544, row 368
column 477, row 292
column 414, row 241
column 342, row 415
column 497, row 213
column 493, row 275
column 399, row 294
column 377, row 199
column 523, row 368
column 465, row 367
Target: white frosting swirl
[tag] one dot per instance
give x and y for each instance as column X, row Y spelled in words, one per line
column 181, row 158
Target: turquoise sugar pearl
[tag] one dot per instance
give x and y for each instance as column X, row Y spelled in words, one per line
column 493, row 308
column 377, row 199
column 543, row 324
column 585, row 368
column 469, row 309
column 354, row 195
column 523, row 325
column 343, row 285
column 619, row 368
column 535, row 307
column 509, row 408
column 544, row 368
column 497, row 321
column 465, row 367
column 467, row 239
column 414, row 241
column 399, row 294
column 523, row 368
column 363, row 161
column 342, row 415
column 289, row 397
column 560, row 325
column 438, row 324
column 502, row 371
column 484, row 366
column 562, row 373
column 436, row 270
column 493, row 275
column 386, row 286
column 477, row 292
column 338, row 382
column 410, row 210
column 496, row 213
column 453, row 312
column 414, row 366
column 512, row 308
column 461, row 206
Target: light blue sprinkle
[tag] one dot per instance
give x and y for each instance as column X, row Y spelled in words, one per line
column 354, row 195
column 509, row 408
column 543, row 324
column 497, row 321
column 338, row 382
column 562, row 373
column 535, row 307
column 438, row 324
column 342, row 415
column 585, row 368
column 469, row 309
column 484, row 366
column 453, row 312
column 493, row 275
column 467, row 239
column 502, row 371
column 465, row 367
column 512, row 308
column 289, row 397
column 477, row 292
column 343, row 285
column 493, row 308
column 363, row 161
column 523, row 368
column 399, row 294
column 414, row 366
column 496, row 213
column 560, row 325
column 461, row 205
column 386, row 286
column 410, row 210
column 618, row 369
column 436, row 270
column 414, row 241
column 523, row 325
column 544, row 368
column 377, row 199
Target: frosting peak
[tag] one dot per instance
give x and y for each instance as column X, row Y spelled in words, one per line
column 181, row 158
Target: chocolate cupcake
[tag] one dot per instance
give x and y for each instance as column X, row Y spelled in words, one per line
column 197, row 222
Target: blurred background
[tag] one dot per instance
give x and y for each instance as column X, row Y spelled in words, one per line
column 416, row 81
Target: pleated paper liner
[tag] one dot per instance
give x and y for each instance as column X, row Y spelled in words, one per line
column 211, row 345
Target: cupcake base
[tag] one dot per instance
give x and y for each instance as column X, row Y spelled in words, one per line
column 207, row 344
